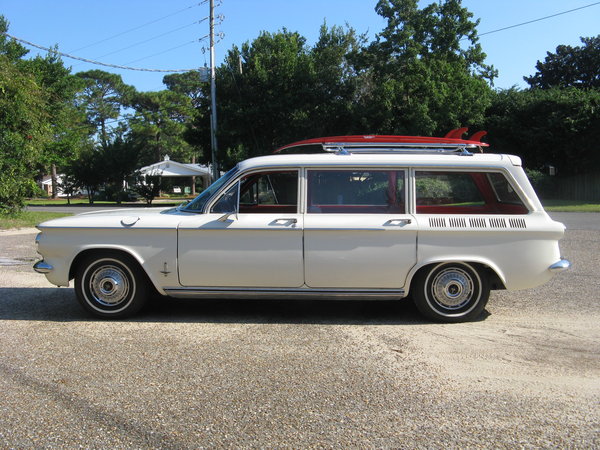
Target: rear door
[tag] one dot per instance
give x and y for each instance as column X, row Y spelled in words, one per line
column 357, row 233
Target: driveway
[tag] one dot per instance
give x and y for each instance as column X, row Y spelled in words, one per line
column 303, row 373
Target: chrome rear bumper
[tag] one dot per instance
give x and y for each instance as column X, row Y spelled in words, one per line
column 560, row 266
column 42, row 267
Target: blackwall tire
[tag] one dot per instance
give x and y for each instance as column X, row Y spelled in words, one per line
column 111, row 285
column 451, row 292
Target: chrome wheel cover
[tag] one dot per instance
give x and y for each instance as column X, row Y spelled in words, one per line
column 452, row 288
column 109, row 285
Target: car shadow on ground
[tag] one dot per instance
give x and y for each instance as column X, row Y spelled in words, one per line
column 60, row 305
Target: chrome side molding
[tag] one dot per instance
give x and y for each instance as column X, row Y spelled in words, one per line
column 291, row 294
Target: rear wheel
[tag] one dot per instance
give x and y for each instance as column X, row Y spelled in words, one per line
column 451, row 292
column 111, row 285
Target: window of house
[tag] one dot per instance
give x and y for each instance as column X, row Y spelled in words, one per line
column 356, row 191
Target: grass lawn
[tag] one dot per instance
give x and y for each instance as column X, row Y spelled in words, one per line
column 27, row 219
column 84, row 201
column 63, row 202
column 570, row 206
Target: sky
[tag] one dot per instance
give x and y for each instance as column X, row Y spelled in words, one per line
column 170, row 35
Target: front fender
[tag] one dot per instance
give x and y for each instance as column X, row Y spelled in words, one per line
column 154, row 250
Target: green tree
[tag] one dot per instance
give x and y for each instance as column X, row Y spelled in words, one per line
column 159, row 124
column 24, row 128
column 87, row 172
column 267, row 104
column 569, row 67
column 23, row 132
column 69, row 131
column 69, row 186
column 191, row 85
column 276, row 89
column 335, row 86
column 120, row 159
column 558, row 127
column 103, row 99
column 148, row 187
column 12, row 50
column 188, row 84
column 425, row 73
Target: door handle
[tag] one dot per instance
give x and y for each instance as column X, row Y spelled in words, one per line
column 285, row 221
column 398, row 222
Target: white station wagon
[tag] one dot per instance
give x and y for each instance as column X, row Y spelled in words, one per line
column 364, row 217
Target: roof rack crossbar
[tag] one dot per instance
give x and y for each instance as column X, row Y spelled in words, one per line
column 412, row 148
column 396, row 145
column 385, row 143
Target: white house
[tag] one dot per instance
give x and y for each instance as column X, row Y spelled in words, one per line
column 169, row 168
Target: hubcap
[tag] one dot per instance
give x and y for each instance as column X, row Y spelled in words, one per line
column 452, row 288
column 109, row 285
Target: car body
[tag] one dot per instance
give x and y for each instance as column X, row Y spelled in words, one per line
column 369, row 218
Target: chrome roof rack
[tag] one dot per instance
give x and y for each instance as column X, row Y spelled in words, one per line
column 406, row 148
column 388, row 144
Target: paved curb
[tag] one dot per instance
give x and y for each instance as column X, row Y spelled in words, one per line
column 17, row 231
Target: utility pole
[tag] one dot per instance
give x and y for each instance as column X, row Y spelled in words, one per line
column 213, row 95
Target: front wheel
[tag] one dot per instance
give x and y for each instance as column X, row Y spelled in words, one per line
column 451, row 292
column 110, row 285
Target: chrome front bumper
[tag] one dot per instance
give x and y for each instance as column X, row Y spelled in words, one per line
column 42, row 267
column 560, row 266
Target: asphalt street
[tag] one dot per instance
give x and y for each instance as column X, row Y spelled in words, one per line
column 198, row 374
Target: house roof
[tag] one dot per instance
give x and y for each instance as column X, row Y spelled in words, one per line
column 169, row 168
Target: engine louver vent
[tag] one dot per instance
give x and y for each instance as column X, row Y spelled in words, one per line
column 437, row 222
column 457, row 222
column 517, row 223
column 497, row 222
column 477, row 222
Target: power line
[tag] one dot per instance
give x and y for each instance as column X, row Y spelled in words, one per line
column 165, row 51
column 537, row 20
column 140, row 26
column 98, row 63
column 149, row 39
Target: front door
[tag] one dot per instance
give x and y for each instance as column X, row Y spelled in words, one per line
column 260, row 246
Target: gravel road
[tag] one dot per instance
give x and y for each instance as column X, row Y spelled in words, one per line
column 304, row 373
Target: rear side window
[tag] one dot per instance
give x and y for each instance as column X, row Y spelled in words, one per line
column 465, row 193
column 356, row 191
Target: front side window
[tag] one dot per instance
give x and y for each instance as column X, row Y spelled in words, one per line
column 263, row 193
column 465, row 193
column 356, row 191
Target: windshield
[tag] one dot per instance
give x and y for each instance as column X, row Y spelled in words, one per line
column 197, row 205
